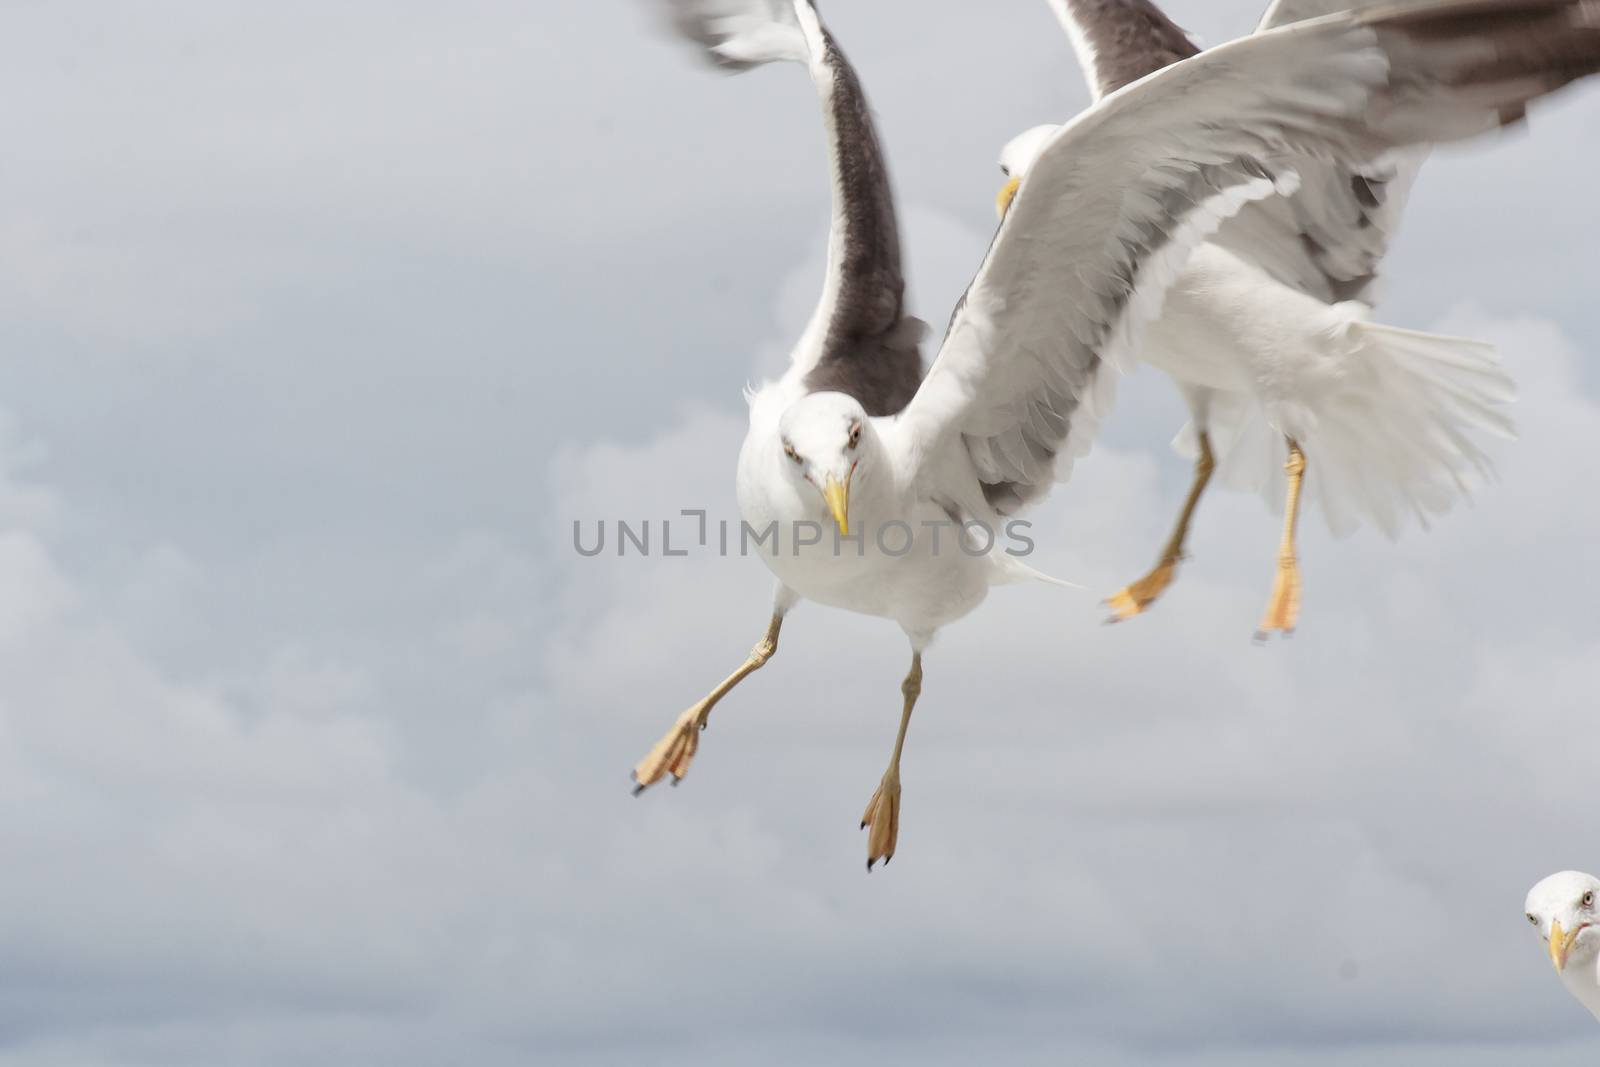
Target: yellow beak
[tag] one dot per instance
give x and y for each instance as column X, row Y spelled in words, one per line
column 837, row 494
column 1561, row 944
column 1002, row 203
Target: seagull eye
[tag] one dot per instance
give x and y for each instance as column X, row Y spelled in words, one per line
column 855, row 434
column 789, row 451
column 1005, row 170
column 1534, row 919
column 1588, row 899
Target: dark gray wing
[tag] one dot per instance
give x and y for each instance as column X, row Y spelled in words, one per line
column 862, row 342
column 1120, row 41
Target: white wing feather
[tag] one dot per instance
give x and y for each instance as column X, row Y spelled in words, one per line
column 739, row 34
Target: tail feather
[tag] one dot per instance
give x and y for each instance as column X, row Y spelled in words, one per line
column 1402, row 436
column 1455, row 369
column 1014, row 570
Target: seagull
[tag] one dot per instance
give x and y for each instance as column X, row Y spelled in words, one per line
column 1266, row 334
column 854, row 438
column 1562, row 909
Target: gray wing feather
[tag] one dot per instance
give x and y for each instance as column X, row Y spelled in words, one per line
column 1120, row 41
column 1329, row 240
column 869, row 345
column 860, row 341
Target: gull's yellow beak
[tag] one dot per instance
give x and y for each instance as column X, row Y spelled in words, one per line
column 837, row 494
column 1561, row 944
column 1002, row 203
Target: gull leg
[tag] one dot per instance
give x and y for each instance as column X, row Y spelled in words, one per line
column 1134, row 598
column 674, row 752
column 1283, row 606
column 883, row 810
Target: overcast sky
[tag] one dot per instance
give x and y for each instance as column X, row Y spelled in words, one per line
column 318, row 326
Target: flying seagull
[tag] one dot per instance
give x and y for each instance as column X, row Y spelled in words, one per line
column 853, row 434
column 1562, row 909
column 1266, row 334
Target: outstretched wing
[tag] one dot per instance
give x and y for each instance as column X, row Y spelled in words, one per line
column 1110, row 210
column 860, row 340
column 1120, row 41
column 1329, row 239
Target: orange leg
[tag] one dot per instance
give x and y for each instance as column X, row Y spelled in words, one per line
column 674, row 752
column 1134, row 598
column 883, row 810
column 1283, row 606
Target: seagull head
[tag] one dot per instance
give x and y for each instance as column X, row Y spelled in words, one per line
column 826, row 436
column 1563, row 909
column 1015, row 159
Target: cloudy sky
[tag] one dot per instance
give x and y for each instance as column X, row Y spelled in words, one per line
column 319, row 324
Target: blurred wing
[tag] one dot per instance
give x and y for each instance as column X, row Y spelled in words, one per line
column 1283, row 12
column 860, row 340
column 1108, row 214
column 1120, row 41
column 740, row 34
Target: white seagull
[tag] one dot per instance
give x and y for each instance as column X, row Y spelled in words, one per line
column 854, row 435
column 1562, row 909
column 1266, row 334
